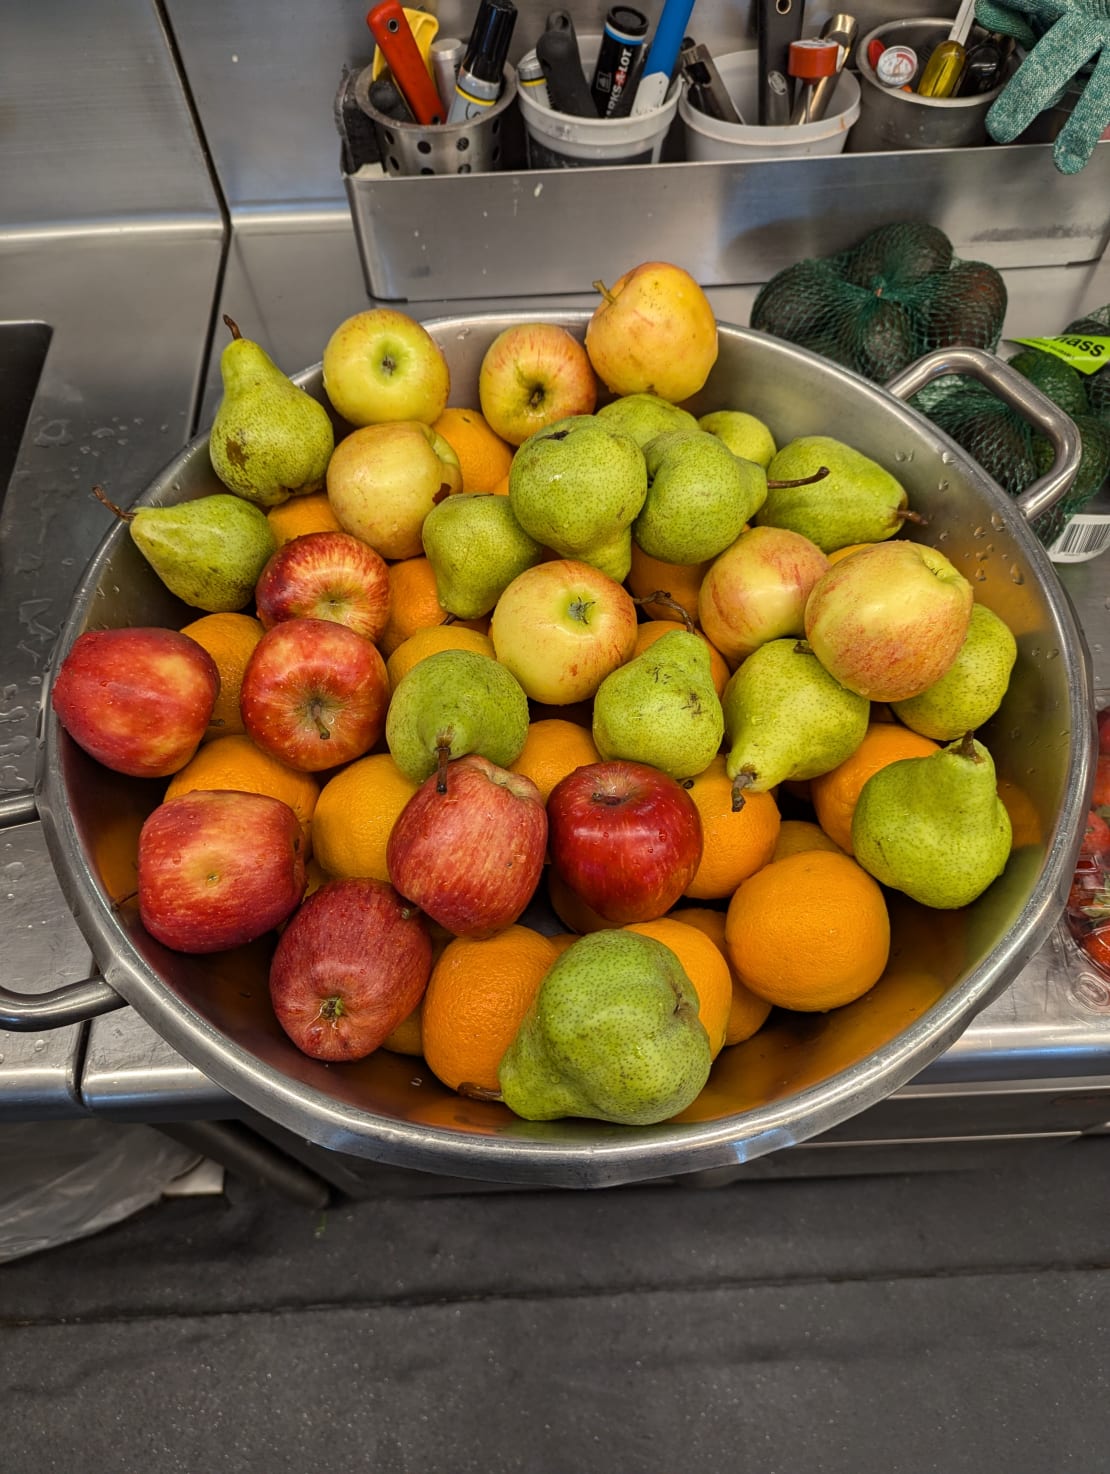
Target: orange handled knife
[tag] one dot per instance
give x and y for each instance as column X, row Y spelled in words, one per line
column 393, row 34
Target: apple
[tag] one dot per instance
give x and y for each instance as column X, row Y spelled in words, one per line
column 654, row 332
column 625, row 837
column 325, row 575
column 531, row 375
column 468, row 848
column 384, row 480
column 757, row 589
column 351, row 965
column 314, row 694
column 138, row 700
column 561, row 628
column 889, row 621
column 217, row 869
column 1104, row 732
column 382, row 365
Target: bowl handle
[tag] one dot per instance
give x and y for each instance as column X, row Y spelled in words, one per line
column 1023, row 398
column 73, row 1003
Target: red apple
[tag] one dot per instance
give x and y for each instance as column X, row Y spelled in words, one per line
column 382, row 365
column 531, row 375
column 625, row 837
column 314, row 694
column 353, row 962
column 756, row 590
column 1104, row 732
column 561, row 628
column 138, row 700
column 468, row 847
column 654, row 332
column 326, row 575
column 217, row 869
column 889, row 621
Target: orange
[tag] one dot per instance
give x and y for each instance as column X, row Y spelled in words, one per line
column 810, row 932
column 483, row 456
column 355, row 813
column 429, row 641
column 561, row 940
column 501, row 488
column 552, row 749
column 747, row 1014
column 407, row 1037
column 734, row 846
column 704, row 965
column 834, row 795
column 798, row 835
column 652, row 576
column 413, row 604
column 477, row 995
column 847, row 552
column 655, row 629
column 301, row 515
column 230, row 640
column 234, row 762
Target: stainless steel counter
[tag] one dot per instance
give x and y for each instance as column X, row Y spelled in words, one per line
column 128, row 270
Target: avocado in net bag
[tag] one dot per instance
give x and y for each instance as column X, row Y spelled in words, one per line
column 875, row 308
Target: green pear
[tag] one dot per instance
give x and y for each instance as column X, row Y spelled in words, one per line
column 745, row 436
column 787, row 718
column 934, row 827
column 575, row 487
column 209, row 552
column 699, row 497
column 857, row 502
column 613, row 1034
column 452, row 703
column 972, row 688
column 270, row 440
column 644, row 416
column 476, row 548
column 661, row 708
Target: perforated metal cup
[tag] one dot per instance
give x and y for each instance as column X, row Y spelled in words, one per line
column 473, row 147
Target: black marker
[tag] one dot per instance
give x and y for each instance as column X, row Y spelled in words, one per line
column 478, row 85
column 622, row 50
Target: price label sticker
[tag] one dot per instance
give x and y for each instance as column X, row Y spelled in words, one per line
column 1083, row 353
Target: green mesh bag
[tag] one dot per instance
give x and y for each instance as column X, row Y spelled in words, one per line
column 874, row 309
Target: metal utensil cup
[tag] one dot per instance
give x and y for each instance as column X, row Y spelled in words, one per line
column 472, row 147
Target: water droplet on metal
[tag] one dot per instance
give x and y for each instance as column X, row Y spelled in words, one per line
column 942, row 537
column 903, row 455
column 980, row 575
column 39, row 1045
column 979, row 532
column 942, row 485
column 1016, row 575
column 1051, row 654
column 998, row 522
column 947, row 458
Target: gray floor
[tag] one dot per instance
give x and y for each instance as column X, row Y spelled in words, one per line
column 905, row 1324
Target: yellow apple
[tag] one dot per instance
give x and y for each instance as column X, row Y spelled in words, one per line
column 533, row 374
column 653, row 332
column 382, row 365
column 383, row 480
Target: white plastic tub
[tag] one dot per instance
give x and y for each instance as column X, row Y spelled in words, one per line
column 708, row 138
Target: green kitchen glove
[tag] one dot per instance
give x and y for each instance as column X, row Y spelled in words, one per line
column 1062, row 39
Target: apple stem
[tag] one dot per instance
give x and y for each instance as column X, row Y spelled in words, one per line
column 477, row 1092
column 98, row 492
column 232, row 327
column 744, row 779
column 443, row 753
column 802, row 647
column 314, row 712
column 661, row 596
column 903, row 514
column 331, row 1009
column 599, row 286
column 967, row 747
column 818, row 475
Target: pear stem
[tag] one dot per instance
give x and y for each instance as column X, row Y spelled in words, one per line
column 232, row 327
column 903, row 514
column 967, row 747
column 443, row 753
column 818, row 475
column 449, row 619
column 661, row 596
column 98, row 492
column 477, row 1092
column 802, row 647
column 599, row 286
column 744, row 779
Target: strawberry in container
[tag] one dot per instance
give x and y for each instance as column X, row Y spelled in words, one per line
column 1088, row 908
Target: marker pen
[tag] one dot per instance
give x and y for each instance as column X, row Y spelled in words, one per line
column 622, row 47
column 478, row 85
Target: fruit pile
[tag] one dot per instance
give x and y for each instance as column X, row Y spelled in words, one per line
column 1088, row 908
column 571, row 651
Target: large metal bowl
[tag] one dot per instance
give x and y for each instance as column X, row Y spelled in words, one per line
column 801, row 1074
